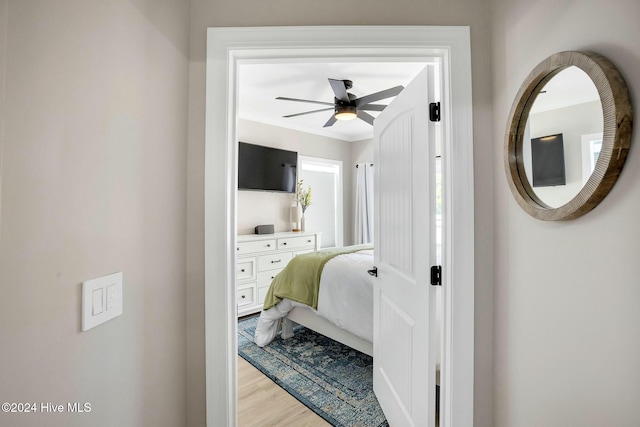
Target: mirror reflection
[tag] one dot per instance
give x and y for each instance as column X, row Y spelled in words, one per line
column 563, row 137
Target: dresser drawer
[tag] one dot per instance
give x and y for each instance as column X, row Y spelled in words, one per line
column 246, row 269
column 246, row 296
column 273, row 262
column 296, row 242
column 265, row 277
column 255, row 246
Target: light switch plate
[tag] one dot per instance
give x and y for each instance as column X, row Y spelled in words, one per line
column 97, row 305
column 101, row 300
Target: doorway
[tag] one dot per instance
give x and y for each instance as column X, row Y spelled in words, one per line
column 230, row 46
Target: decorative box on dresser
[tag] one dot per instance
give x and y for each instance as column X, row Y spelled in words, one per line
column 260, row 257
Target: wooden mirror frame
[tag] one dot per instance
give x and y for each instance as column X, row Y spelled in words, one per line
column 617, row 129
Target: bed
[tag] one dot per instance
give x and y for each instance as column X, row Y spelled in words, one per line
column 328, row 291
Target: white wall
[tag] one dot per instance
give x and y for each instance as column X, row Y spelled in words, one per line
column 362, row 151
column 4, row 28
column 567, row 324
column 94, row 181
column 225, row 13
column 258, row 207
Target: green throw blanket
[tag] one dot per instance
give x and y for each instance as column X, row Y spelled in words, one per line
column 300, row 279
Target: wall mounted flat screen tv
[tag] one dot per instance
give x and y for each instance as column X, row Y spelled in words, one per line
column 263, row 168
column 547, row 161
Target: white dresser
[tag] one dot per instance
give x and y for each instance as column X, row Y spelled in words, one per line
column 259, row 257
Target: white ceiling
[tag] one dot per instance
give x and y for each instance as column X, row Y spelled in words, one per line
column 260, row 84
column 571, row 86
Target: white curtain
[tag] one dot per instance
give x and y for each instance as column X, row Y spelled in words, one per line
column 364, row 204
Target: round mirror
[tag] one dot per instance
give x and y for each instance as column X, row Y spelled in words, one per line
column 562, row 137
column 567, row 136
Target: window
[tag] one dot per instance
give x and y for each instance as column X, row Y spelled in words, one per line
column 591, row 146
column 324, row 176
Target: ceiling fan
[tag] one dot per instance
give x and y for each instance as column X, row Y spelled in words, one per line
column 345, row 105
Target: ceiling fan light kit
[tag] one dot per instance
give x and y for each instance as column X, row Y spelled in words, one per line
column 347, row 106
column 346, row 112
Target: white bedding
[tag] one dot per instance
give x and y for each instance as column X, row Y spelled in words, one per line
column 345, row 299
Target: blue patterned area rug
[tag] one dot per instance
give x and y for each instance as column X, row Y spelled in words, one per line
column 331, row 379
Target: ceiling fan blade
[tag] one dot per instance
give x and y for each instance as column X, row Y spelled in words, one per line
column 378, row 96
column 308, row 112
column 304, row 100
column 339, row 89
column 330, row 122
column 372, row 107
column 366, row 117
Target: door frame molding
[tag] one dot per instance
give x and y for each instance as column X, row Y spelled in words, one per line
column 226, row 48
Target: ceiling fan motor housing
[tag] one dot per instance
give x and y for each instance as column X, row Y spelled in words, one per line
column 338, row 102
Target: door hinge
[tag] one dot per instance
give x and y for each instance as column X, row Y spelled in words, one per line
column 434, row 111
column 373, row 271
column 436, row 275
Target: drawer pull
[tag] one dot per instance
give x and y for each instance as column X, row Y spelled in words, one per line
column 242, row 270
column 285, row 243
column 237, row 249
column 243, row 297
column 268, row 245
column 308, row 241
column 273, row 261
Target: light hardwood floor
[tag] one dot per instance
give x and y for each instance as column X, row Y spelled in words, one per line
column 262, row 403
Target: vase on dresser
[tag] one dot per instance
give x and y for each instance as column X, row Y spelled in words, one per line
column 302, row 223
column 295, row 217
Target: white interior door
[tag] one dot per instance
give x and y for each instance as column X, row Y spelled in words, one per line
column 404, row 316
